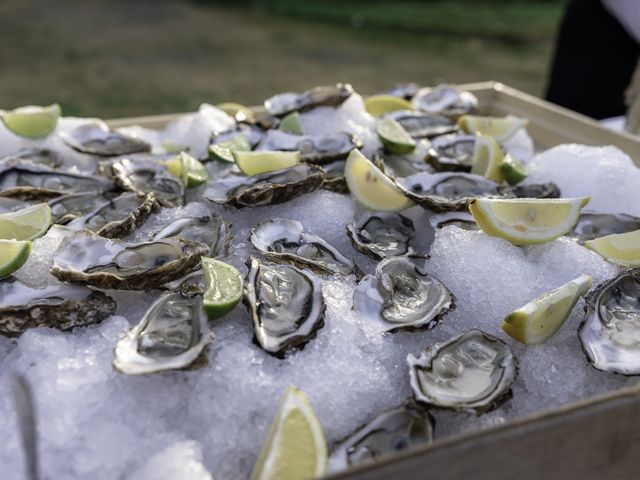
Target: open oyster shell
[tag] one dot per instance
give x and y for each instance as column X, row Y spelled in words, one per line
column 85, row 257
column 382, row 234
column 335, row 179
column 447, row 100
column 423, row 125
column 472, row 372
column 452, row 153
column 97, row 139
column 267, row 188
column 610, row 331
column 463, row 220
column 285, row 304
column 402, row 296
column 147, row 175
column 319, row 149
column 331, row 96
column 37, row 156
column 389, row 432
column 66, row 208
column 593, row 225
column 172, row 334
column 58, row 306
column 209, row 229
column 285, row 240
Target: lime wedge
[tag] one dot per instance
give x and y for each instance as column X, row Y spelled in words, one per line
column 253, row 163
column 25, row 224
column 500, row 128
column 32, row 121
column 13, row 254
column 223, row 151
column 378, row 105
column 487, row 158
column 171, row 147
column 223, row 287
column 526, row 221
column 190, row 170
column 622, row 248
column 291, row 124
column 513, row 170
column 295, row 448
column 372, row 188
column 542, row 317
column 394, row 137
column 236, row 110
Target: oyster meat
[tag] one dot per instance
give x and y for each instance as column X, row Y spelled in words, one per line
column 463, row 220
column 537, row 190
column 382, row 234
column 57, row 306
column 423, row 125
column 593, row 225
column 85, row 257
column 97, row 139
column 402, row 296
column 285, row 304
column 147, row 175
column 209, row 229
column 447, row 100
column 610, row 331
column 331, row 96
column 472, row 372
column 390, row 432
column 267, row 188
column 453, row 153
column 173, row 334
column 319, row 149
column 66, row 208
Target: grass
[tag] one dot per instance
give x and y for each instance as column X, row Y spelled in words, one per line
column 119, row 58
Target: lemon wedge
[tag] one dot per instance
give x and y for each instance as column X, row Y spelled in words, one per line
column 378, row 105
column 253, row 163
column 487, row 158
column 621, row 248
column 500, row 128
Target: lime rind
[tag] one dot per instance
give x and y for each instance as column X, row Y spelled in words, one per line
column 223, row 287
column 513, row 170
column 32, row 121
column 26, row 224
column 394, row 137
column 13, row 255
column 291, row 124
column 223, row 151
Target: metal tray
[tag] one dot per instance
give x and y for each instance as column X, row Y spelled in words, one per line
column 593, row 439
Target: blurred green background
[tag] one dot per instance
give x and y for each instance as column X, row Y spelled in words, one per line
column 114, row 58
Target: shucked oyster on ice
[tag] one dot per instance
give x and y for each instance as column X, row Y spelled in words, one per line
column 402, row 296
column 267, row 188
column 335, row 179
column 97, row 139
column 285, row 304
column 149, row 175
column 610, row 331
column 37, row 156
column 209, row 229
column 593, row 225
column 452, row 153
column 472, row 372
column 57, row 306
column 285, row 240
column 423, row 125
column 172, row 334
column 332, row 96
column 382, row 234
column 319, row 149
column 463, row 220
column 390, row 432
column 66, row 208
column 446, row 100
column 85, row 257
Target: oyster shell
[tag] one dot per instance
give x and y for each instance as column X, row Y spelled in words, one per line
column 285, row 304
column 382, row 234
column 267, row 188
column 423, row 125
column 209, row 229
column 404, row 90
column 285, row 240
column 58, row 306
column 446, row 100
column 319, row 149
column 86, row 257
column 396, row 166
column 96, row 139
column 66, row 208
column 472, row 372
column 453, row 153
column 118, row 217
column 191, row 284
column 593, row 225
column 172, row 334
column 610, row 331
column 402, row 296
column 463, row 220
column 390, row 432
column 37, row 156
column 11, row 204
column 144, row 175
column 538, row 190
column 332, row 96
column 335, row 179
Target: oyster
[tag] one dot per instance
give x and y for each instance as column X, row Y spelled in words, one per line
column 191, row 284
column 58, row 306
column 423, row 125
column 317, row 149
column 85, row 257
column 285, row 304
column 593, row 225
column 286, row 240
column 335, row 179
column 537, row 190
column 446, row 100
column 172, row 334
column 452, row 153
column 382, row 234
column 404, row 90
column 463, row 220
column 610, row 331
column 332, row 96
column 267, row 188
column 149, row 175
column 38, row 156
column 118, row 217
column 395, row 166
column 472, row 372
column 96, row 139
column 402, row 296
column 66, row 208
column 209, row 229
column 390, row 432
column 11, row 204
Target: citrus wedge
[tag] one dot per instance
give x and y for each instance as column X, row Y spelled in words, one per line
column 25, row 224
column 542, row 317
column 32, row 121
column 372, row 188
column 253, row 163
column 621, row 248
column 189, row 169
column 223, row 151
column 500, row 128
column 236, row 110
column 13, row 254
column 295, row 448
column 378, row 105
column 291, row 124
column 487, row 158
column 525, row 221
column 513, row 170
column 223, row 287
column 394, row 137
